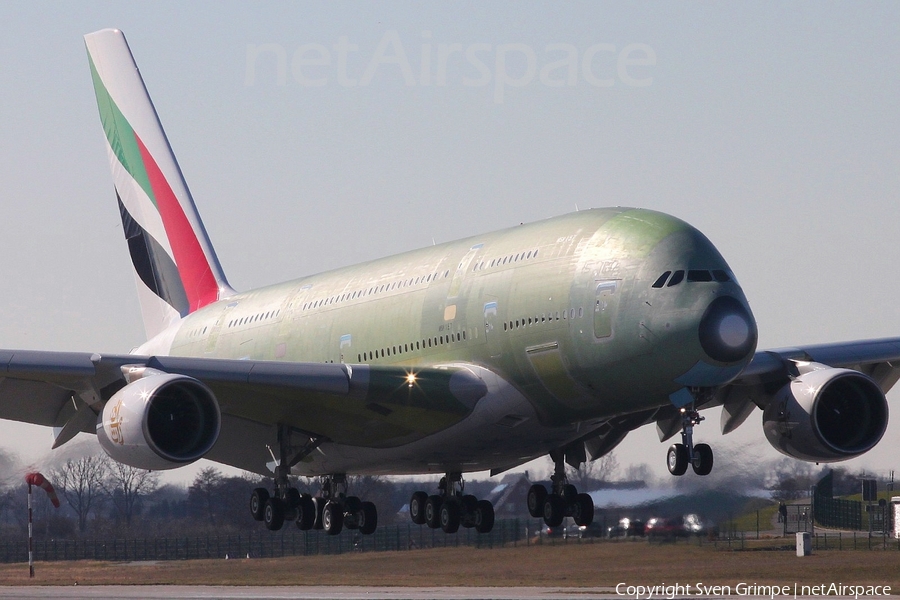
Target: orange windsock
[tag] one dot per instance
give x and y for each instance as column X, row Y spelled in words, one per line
column 41, row 481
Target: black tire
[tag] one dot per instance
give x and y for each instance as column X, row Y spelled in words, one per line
column 417, row 507
column 570, row 492
column 583, row 510
column 368, row 518
column 468, row 505
column 450, row 516
column 292, row 500
column 537, row 495
column 273, row 514
column 554, row 510
column 333, row 518
column 306, row 513
column 677, row 459
column 258, row 503
column 319, row 504
column 433, row 511
column 352, row 504
column 484, row 516
column 703, row 461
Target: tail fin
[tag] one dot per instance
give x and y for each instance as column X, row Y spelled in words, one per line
column 176, row 268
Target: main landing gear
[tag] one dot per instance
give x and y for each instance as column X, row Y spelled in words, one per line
column 699, row 456
column 562, row 501
column 331, row 510
column 450, row 508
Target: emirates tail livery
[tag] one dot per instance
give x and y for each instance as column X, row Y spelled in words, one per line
column 556, row 337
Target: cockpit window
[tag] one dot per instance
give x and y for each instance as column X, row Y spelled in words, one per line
column 699, row 275
column 677, row 278
column 662, row 279
column 721, row 276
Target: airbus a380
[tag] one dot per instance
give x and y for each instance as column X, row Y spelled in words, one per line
column 556, row 337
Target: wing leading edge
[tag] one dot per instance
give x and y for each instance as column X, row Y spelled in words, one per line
column 357, row 405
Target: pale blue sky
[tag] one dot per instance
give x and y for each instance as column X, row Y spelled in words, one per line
column 771, row 127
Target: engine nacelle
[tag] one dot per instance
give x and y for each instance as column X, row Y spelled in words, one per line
column 159, row 422
column 826, row 415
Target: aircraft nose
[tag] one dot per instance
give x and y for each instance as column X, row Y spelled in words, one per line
column 727, row 330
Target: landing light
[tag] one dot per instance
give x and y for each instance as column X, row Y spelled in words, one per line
column 411, row 379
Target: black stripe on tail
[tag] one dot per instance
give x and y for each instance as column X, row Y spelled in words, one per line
column 153, row 264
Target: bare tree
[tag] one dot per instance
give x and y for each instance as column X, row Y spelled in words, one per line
column 80, row 482
column 593, row 472
column 203, row 492
column 126, row 486
column 640, row 473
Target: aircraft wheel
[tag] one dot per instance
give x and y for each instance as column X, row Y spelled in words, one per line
column 417, row 507
column 352, row 504
column 319, row 504
column 484, row 516
column 703, row 463
column 570, row 492
column 677, row 459
column 368, row 518
column 450, row 516
column 306, row 513
column 273, row 514
column 333, row 518
column 537, row 496
column 433, row 511
column 258, row 503
column 554, row 510
column 583, row 510
column 292, row 499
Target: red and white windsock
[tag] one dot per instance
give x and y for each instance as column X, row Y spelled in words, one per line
column 40, row 481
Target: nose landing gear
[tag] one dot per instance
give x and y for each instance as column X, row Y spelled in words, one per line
column 699, row 456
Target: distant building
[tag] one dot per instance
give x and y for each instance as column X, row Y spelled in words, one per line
column 509, row 497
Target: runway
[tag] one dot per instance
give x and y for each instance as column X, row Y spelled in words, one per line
column 154, row 592
column 204, row 592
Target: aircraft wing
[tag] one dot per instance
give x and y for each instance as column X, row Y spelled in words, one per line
column 771, row 369
column 361, row 405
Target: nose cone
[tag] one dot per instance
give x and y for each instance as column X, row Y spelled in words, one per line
column 727, row 330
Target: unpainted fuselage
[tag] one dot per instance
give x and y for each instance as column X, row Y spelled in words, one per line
column 560, row 318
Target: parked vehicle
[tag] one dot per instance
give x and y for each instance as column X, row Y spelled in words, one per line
column 665, row 528
column 626, row 528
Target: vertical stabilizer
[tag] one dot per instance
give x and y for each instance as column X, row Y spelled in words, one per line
column 175, row 265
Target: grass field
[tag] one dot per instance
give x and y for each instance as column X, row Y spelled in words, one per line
column 572, row 565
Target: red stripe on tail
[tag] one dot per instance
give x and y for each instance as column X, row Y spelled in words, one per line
column 193, row 267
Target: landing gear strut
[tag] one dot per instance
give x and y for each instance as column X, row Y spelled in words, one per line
column 699, row 456
column 562, row 501
column 450, row 507
column 332, row 509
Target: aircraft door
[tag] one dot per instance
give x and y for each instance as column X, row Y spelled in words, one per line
column 605, row 303
column 490, row 323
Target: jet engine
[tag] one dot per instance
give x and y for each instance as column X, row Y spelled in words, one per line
column 160, row 421
column 826, row 415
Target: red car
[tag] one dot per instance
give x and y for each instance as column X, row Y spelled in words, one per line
column 664, row 528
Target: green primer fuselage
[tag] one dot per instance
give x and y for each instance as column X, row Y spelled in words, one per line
column 563, row 309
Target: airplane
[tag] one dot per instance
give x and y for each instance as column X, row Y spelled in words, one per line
column 551, row 338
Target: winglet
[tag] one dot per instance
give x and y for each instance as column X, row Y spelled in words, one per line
column 175, row 264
